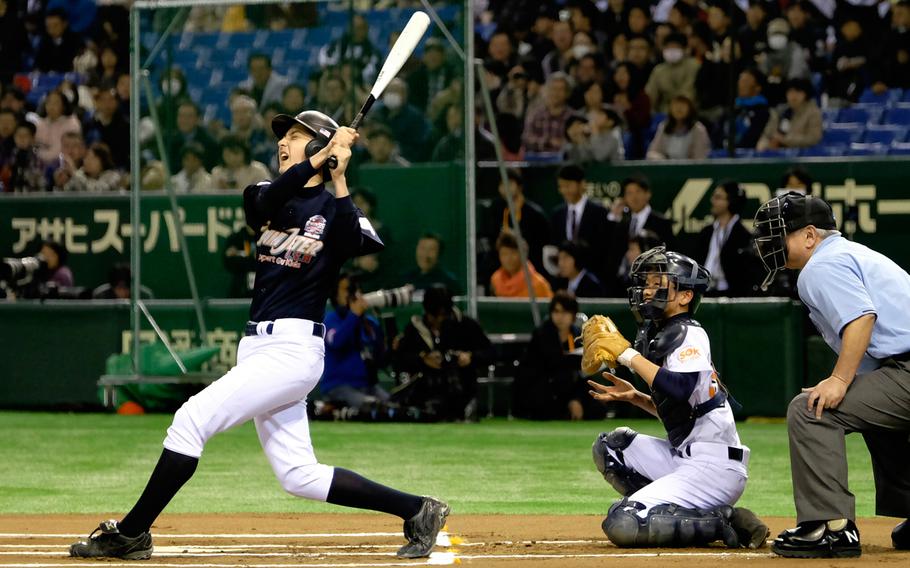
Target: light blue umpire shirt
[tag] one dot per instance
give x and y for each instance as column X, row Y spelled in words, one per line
column 844, row 280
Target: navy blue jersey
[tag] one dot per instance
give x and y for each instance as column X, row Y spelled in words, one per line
column 304, row 236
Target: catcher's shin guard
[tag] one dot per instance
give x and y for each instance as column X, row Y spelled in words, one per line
column 667, row 525
column 624, row 479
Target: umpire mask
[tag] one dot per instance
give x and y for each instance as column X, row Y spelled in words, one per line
column 653, row 271
column 780, row 216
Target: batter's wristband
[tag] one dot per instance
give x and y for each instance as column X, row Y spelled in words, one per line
column 625, row 358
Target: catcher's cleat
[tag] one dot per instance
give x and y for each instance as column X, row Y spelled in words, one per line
column 422, row 528
column 818, row 540
column 109, row 543
column 752, row 532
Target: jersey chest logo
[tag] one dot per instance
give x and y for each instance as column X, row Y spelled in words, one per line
column 290, row 248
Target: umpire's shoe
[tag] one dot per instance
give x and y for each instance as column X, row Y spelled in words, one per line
column 900, row 536
column 819, row 540
column 422, row 528
column 109, row 543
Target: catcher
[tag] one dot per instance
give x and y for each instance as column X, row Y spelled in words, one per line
column 678, row 491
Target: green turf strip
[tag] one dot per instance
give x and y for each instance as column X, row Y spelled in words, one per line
column 95, row 463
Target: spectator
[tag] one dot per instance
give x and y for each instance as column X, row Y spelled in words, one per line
column 264, row 84
column 57, row 119
column 587, row 74
column 579, row 217
column 173, row 93
column 599, row 140
column 13, row 42
column 58, row 272
column 573, row 260
column 293, row 99
column 894, row 67
column 628, row 97
column 432, row 76
column 509, row 281
column 675, row 76
column 720, row 20
column 239, row 258
column 108, row 70
column 62, row 169
column 639, row 58
column 549, row 384
column 408, row 125
column 593, row 100
column 513, row 98
column 382, row 148
column 644, row 241
column 109, row 126
column 190, row 130
column 354, row 47
column 58, row 46
column 753, row 35
column 119, row 285
column 557, row 61
column 808, row 34
column 13, row 99
column 633, row 214
column 451, row 146
column 681, row 136
column 795, row 179
column 682, row 16
column 442, row 351
column 428, row 272
column 8, row 123
column 638, row 19
column 532, row 222
column 850, row 73
column 98, row 172
column 237, row 169
column 246, row 124
column 332, row 98
column 545, row 126
column 193, row 176
column 354, row 345
column 752, row 112
column 24, row 172
column 783, row 60
column 713, row 80
column 725, row 246
column 798, row 124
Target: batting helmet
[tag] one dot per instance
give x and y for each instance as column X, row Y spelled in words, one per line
column 320, row 126
column 780, row 216
column 654, row 270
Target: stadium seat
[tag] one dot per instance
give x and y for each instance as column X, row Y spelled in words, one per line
column 842, row 133
column 884, row 133
column 863, row 113
column 823, row 150
column 888, row 97
column 898, row 114
column 777, row 153
column 829, row 115
column 899, row 149
column 867, row 149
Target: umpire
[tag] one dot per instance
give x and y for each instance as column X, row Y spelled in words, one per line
column 857, row 300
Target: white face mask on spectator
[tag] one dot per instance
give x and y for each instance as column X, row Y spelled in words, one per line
column 393, row 101
column 579, row 51
column 673, row 54
column 777, row 41
column 171, row 86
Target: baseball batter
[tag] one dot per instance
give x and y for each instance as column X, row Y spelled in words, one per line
column 678, row 491
column 305, row 234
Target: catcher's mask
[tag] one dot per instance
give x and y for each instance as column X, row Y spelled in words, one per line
column 780, row 216
column 653, row 272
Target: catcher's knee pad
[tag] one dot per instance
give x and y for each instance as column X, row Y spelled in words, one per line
column 611, row 465
column 310, row 481
column 669, row 526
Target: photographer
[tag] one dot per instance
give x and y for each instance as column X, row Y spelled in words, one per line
column 353, row 346
column 441, row 351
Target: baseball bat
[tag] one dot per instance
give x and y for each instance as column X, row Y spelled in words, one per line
column 398, row 55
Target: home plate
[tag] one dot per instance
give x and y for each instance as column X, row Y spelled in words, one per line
column 442, row 539
column 441, row 558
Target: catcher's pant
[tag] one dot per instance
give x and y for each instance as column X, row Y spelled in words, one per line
column 704, row 480
column 274, row 374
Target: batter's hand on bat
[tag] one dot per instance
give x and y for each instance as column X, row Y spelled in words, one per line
column 621, row 390
column 345, row 137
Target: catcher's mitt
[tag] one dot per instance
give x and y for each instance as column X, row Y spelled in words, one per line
column 602, row 342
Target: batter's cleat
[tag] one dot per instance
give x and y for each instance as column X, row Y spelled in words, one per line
column 109, row 543
column 422, row 528
column 750, row 530
column 819, row 540
column 900, row 536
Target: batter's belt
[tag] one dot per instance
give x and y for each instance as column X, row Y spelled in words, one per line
column 285, row 325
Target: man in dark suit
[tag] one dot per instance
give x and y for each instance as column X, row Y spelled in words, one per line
column 574, row 275
column 725, row 246
column 532, row 221
column 581, row 218
column 632, row 215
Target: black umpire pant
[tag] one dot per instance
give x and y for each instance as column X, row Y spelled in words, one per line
column 877, row 405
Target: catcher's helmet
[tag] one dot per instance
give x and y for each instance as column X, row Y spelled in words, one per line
column 653, row 271
column 320, row 126
column 782, row 215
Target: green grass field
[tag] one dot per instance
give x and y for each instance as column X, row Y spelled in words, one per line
column 95, row 463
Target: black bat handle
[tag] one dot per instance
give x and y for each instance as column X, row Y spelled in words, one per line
column 332, row 162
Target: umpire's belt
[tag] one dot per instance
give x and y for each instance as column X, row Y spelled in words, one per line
column 285, row 326
column 716, row 451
